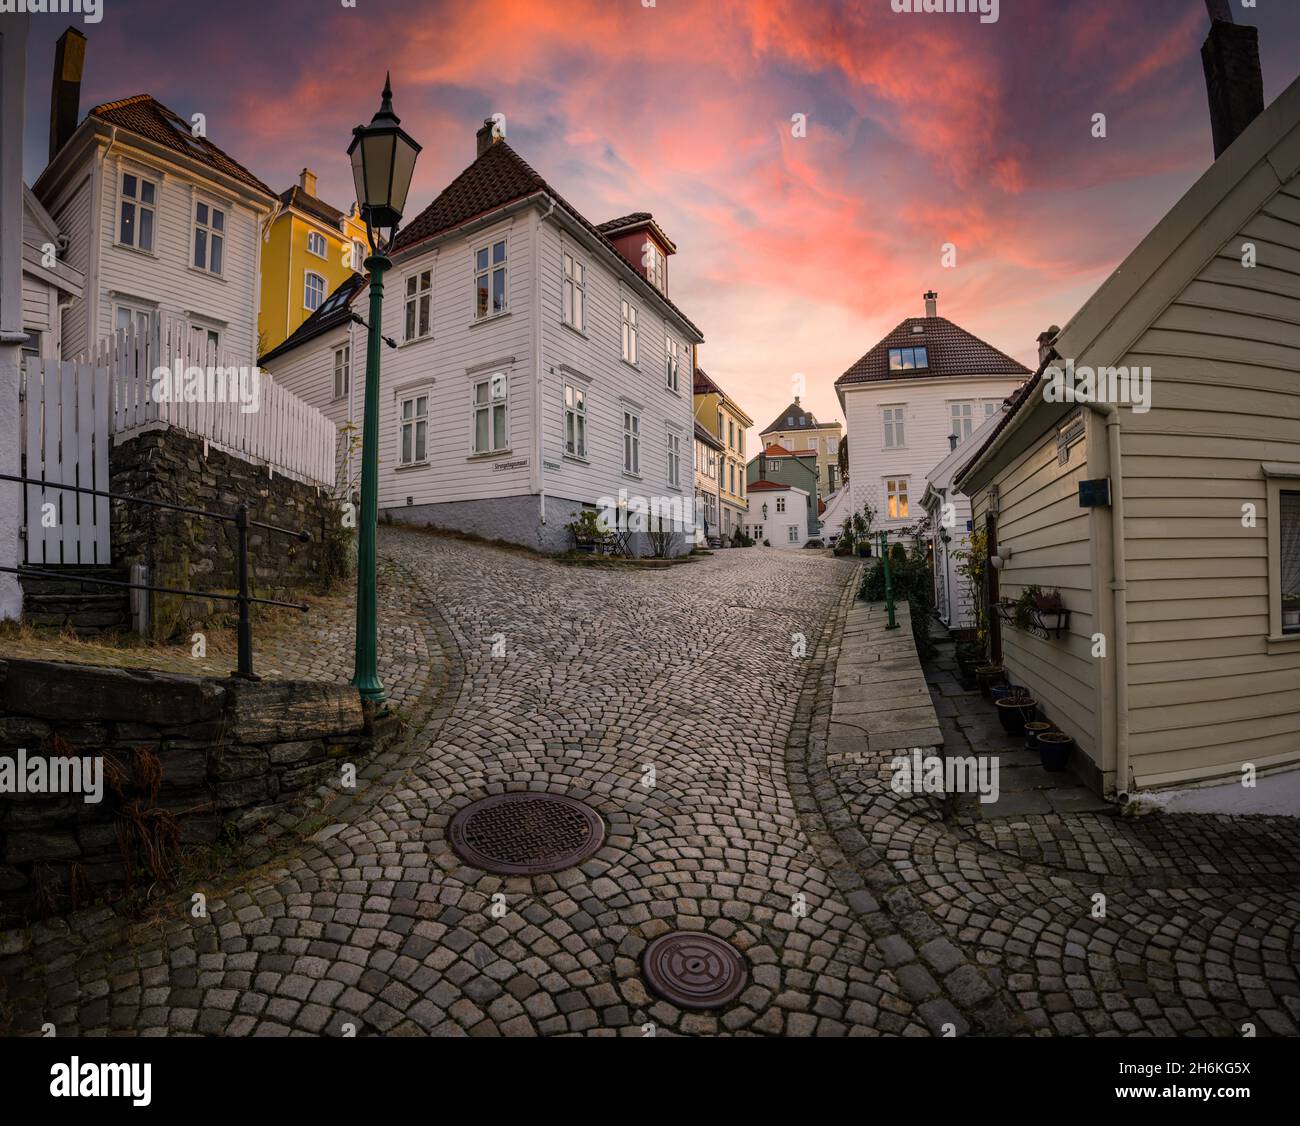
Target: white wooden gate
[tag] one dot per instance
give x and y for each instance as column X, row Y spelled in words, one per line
column 65, row 436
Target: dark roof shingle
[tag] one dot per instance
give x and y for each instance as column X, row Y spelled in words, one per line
column 335, row 310
column 143, row 114
column 950, row 350
column 296, row 197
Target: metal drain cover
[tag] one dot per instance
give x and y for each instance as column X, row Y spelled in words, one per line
column 526, row 834
column 694, row 971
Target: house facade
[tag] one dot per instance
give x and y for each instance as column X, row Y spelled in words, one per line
column 779, row 514
column 708, row 498
column 797, row 428
column 797, row 468
column 311, row 248
column 160, row 222
column 925, row 380
column 538, row 369
column 723, row 417
column 49, row 283
column 1170, row 526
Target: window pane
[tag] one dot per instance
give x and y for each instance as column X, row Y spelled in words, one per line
column 481, row 430
column 422, row 405
column 200, row 248
column 420, row 429
column 1289, row 556
column 922, row 358
column 219, row 224
column 201, row 211
column 146, row 192
column 146, row 229
column 481, row 299
column 498, row 291
column 410, row 320
column 128, row 224
column 129, row 187
column 480, row 392
column 578, row 300
column 569, row 430
column 582, row 436
column 499, row 252
column 410, row 286
column 407, row 408
column 424, row 315
column 499, row 427
column 482, row 260
column 216, row 255
column 406, row 443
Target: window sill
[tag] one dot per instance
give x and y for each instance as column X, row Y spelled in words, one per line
column 576, row 331
column 207, row 274
column 628, row 363
column 416, row 340
column 673, row 391
column 136, row 250
column 340, row 398
column 577, row 459
column 489, row 455
column 491, row 318
column 413, row 465
column 1283, row 642
column 632, row 476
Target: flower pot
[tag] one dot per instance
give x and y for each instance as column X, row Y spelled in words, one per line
column 1014, row 712
column 998, row 691
column 987, row 676
column 1033, row 729
column 864, row 551
column 1054, row 750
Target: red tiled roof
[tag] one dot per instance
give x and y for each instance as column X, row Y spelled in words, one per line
column 146, row 116
column 498, row 176
column 951, row 351
column 765, row 486
column 780, row 451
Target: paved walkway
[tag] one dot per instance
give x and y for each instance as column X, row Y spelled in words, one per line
column 599, row 676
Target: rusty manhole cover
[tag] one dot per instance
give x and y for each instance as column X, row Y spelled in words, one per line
column 694, row 971
column 525, row 834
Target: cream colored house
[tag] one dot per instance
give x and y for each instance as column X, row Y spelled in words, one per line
column 1181, row 660
column 796, row 428
column 722, row 417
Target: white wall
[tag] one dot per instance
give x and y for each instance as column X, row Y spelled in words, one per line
column 776, row 525
column 927, row 424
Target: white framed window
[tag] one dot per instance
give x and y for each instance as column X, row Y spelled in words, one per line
column 990, row 407
column 316, row 244
column 342, row 371
column 209, row 236
column 906, row 359
column 832, row 445
column 491, row 416
column 756, row 532
column 575, row 420
column 415, row 429
column 313, row 291
column 740, row 440
column 206, row 340
column 127, row 316
column 136, row 213
column 895, row 437
column 731, row 434
column 574, row 292
column 780, row 504
column 963, row 420
column 793, row 533
column 896, row 498
column 656, row 265
column 672, row 360
column 631, row 441
column 358, row 254
column 490, row 269
column 629, row 332
column 418, row 321
column 674, row 459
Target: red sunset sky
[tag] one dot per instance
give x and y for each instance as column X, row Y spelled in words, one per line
column 795, row 255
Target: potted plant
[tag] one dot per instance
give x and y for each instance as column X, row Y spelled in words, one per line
column 862, row 522
column 1051, row 611
column 986, row 676
column 588, row 530
column 1015, row 710
column 1054, row 750
column 970, row 656
column 1033, row 729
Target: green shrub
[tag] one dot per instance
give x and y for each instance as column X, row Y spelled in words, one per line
column 913, row 581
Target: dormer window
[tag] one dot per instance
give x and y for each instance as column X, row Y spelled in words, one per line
column 908, row 359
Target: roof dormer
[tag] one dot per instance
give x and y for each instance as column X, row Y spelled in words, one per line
column 641, row 240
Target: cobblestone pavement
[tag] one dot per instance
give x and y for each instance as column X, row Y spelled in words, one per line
column 1201, row 927
column 599, row 677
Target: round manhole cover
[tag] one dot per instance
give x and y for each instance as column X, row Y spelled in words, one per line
column 525, row 834
column 694, row 971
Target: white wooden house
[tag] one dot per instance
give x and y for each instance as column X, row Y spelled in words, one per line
column 1172, row 533
column 541, row 366
column 926, row 380
column 779, row 513
column 50, row 284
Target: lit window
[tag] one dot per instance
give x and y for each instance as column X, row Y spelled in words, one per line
column 490, row 279
column 209, row 235
column 491, row 423
column 415, row 428
column 137, row 212
column 419, row 297
column 896, row 498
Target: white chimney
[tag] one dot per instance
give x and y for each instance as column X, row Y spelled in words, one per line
column 932, row 304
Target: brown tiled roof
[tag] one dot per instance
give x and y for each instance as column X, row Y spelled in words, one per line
column 632, row 222
column 705, row 386
column 144, row 115
column 296, row 197
column 803, row 420
column 498, row 176
column 951, row 351
column 706, row 436
column 335, row 310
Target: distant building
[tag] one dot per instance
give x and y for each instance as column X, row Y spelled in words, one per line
column 708, row 500
column 797, row 429
column 779, row 514
column 788, row 467
column 925, row 380
column 723, row 417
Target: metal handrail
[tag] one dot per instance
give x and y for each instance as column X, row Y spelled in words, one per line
column 239, row 519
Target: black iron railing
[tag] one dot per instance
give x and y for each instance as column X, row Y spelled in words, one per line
column 242, row 523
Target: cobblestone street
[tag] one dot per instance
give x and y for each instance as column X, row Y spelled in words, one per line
column 690, row 707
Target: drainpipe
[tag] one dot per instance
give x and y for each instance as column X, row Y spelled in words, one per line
column 1109, row 413
column 538, row 430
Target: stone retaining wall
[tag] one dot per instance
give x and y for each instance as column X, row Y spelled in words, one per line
column 84, row 607
column 231, row 753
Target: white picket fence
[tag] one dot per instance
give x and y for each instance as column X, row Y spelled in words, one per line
column 282, row 432
column 65, row 434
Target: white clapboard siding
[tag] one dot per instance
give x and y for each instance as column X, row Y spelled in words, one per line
column 282, row 432
column 66, row 407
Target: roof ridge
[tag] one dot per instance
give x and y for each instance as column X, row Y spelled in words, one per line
column 118, row 102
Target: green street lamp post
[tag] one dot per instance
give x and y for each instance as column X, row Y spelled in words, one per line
column 383, row 161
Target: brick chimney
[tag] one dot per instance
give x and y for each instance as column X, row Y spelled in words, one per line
column 1230, row 56
column 65, row 91
column 932, row 304
column 486, row 136
column 307, row 181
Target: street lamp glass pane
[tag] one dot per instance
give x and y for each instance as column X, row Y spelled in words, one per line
column 403, row 170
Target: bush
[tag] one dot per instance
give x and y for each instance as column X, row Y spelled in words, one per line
column 914, row 581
